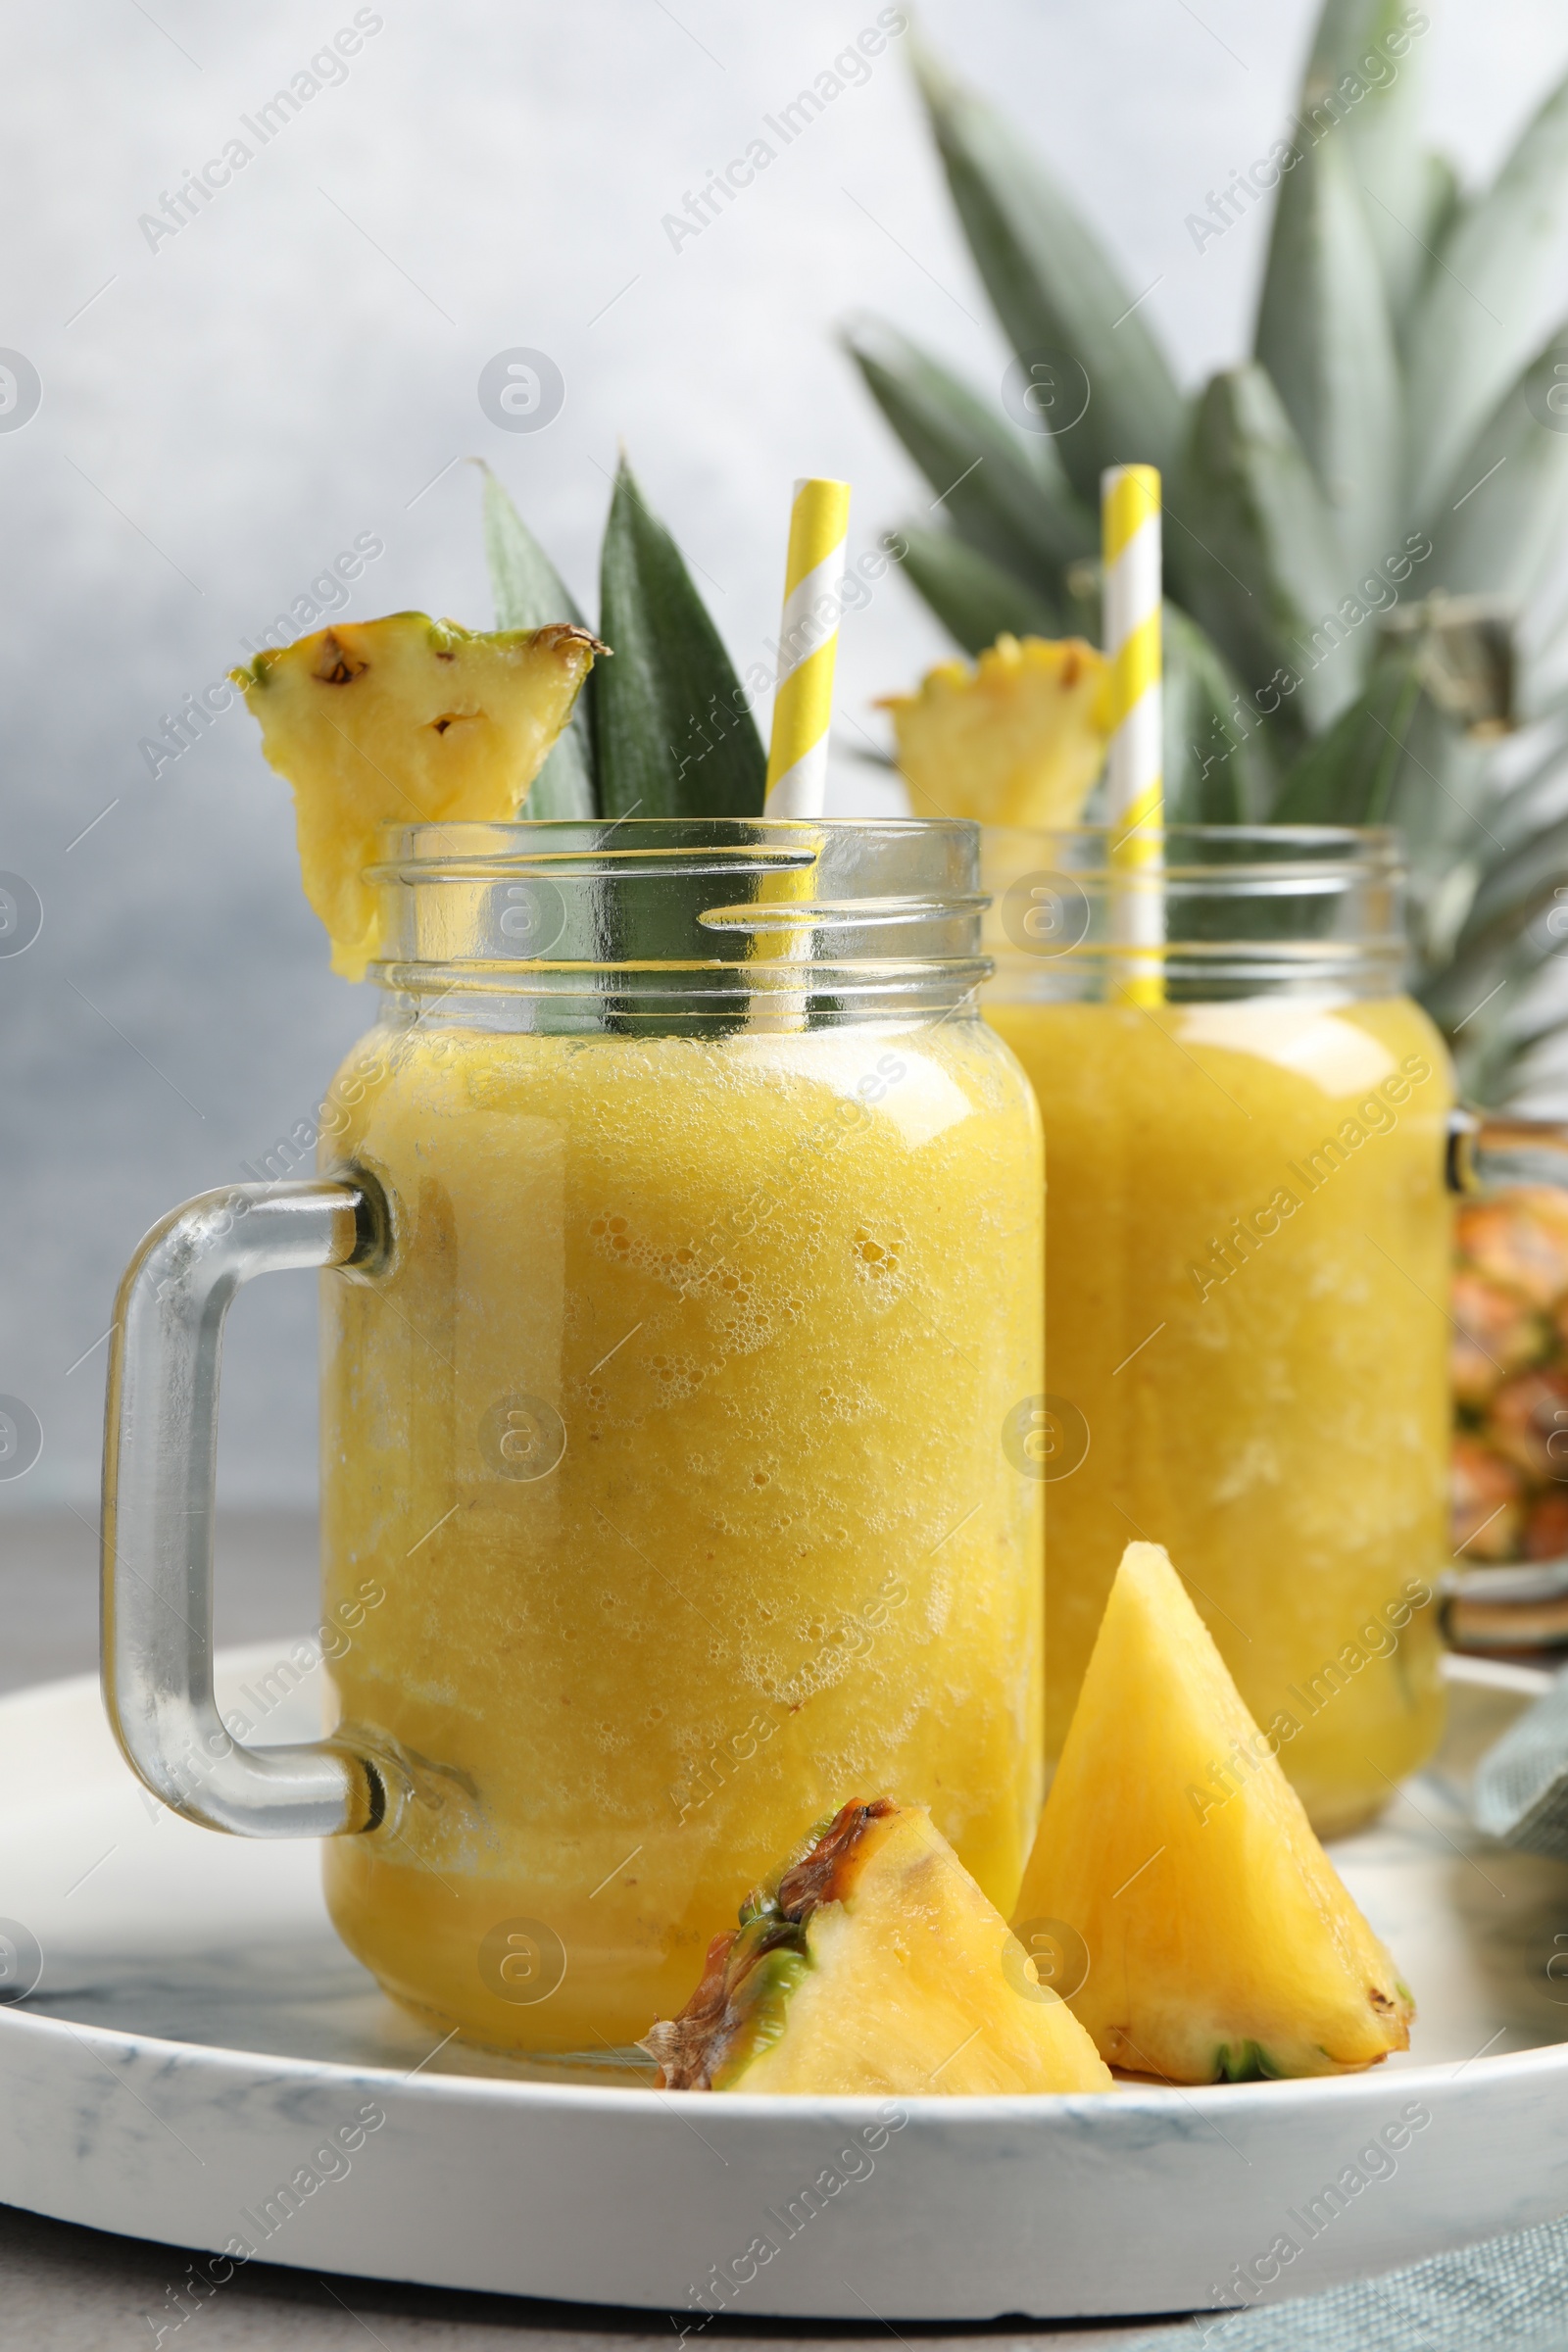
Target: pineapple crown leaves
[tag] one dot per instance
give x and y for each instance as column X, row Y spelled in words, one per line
column 1395, row 177
column 528, row 593
column 1385, row 454
column 1051, row 285
column 671, row 682
column 666, row 729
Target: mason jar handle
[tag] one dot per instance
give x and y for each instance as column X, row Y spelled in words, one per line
column 160, row 1473
column 1486, row 1149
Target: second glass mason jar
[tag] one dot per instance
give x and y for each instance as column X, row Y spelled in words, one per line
column 1248, row 1271
column 673, row 1429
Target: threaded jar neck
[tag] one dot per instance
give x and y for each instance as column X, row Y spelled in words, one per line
column 690, row 925
column 1221, row 912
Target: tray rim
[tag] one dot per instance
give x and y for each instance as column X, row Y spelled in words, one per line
column 1130, row 2098
column 609, row 2098
column 1048, row 2207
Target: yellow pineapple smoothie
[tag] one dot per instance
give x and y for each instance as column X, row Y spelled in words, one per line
column 1246, row 1295
column 674, row 1436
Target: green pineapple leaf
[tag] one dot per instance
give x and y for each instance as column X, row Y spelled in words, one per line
column 1054, row 289
column 1515, row 925
column 1480, row 315
column 1439, row 198
column 674, row 735
column 1520, row 811
column 528, row 594
column 1350, row 774
column 1271, row 521
column 974, row 599
column 1501, row 532
column 1544, row 680
column 1253, row 552
column 1323, row 334
column 1492, row 1001
column 1493, row 1049
column 1017, row 513
column 1440, row 795
column 1216, row 771
column 1362, row 80
column 1513, row 891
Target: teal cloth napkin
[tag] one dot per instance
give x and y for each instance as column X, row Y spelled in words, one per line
column 1508, row 2295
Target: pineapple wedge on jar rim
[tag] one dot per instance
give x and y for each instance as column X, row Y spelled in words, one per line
column 1018, row 740
column 405, row 721
column 871, row 1963
column 1213, row 1938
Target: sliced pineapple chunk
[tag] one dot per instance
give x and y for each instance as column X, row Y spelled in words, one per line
column 1221, row 1944
column 1018, row 740
column 874, row 1963
column 408, row 720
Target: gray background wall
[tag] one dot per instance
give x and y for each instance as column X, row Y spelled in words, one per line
column 222, row 415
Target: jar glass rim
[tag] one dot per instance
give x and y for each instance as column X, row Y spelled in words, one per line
column 434, row 841
column 1182, row 847
column 1213, row 910
column 1372, row 836
column 694, row 917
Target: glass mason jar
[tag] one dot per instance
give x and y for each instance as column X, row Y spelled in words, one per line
column 1250, row 1145
column 683, row 1226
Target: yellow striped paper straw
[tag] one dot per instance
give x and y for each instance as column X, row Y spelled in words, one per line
column 1135, row 782
column 807, row 644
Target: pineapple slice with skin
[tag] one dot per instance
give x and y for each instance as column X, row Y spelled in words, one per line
column 1221, row 1944
column 411, row 720
column 1018, row 740
column 873, row 1964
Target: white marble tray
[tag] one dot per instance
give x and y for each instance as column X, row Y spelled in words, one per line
column 197, row 2038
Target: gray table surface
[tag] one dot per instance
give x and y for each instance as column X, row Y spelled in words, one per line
column 84, row 2288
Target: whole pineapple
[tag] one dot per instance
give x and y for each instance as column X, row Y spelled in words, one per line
column 1510, row 1379
column 1364, row 517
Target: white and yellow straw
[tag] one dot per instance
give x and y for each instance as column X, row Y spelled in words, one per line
column 807, row 644
column 1135, row 783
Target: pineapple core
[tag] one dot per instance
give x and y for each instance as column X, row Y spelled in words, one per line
column 1221, row 1944
column 405, row 721
column 1018, row 740
column 874, row 1963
